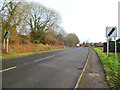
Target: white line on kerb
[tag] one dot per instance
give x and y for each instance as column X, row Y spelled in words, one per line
column 7, row 69
column 78, row 82
column 44, row 58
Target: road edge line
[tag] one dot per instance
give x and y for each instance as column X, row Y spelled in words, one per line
column 78, row 82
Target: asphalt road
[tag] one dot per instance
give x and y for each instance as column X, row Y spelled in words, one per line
column 58, row 69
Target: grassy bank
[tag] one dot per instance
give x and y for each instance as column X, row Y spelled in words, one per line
column 19, row 50
column 9, row 56
column 111, row 68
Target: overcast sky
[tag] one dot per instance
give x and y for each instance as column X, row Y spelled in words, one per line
column 86, row 18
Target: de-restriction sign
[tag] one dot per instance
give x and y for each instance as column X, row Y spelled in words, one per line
column 6, row 34
column 111, row 32
column 6, row 37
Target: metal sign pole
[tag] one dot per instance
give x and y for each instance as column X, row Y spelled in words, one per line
column 6, row 36
column 4, row 43
column 115, row 48
column 7, row 45
column 107, row 48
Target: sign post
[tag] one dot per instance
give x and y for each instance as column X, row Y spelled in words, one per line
column 7, row 45
column 6, row 37
column 4, row 44
column 107, row 48
column 115, row 48
column 111, row 32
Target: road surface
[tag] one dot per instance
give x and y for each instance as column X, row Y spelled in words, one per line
column 58, row 69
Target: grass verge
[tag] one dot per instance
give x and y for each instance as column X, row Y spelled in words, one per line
column 111, row 68
column 9, row 56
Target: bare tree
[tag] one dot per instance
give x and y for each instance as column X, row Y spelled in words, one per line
column 12, row 15
column 35, row 19
column 40, row 20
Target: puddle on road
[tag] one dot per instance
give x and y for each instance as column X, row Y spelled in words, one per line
column 93, row 74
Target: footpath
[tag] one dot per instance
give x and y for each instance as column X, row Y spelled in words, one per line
column 94, row 76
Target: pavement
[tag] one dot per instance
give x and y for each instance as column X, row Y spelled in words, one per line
column 58, row 69
column 94, row 75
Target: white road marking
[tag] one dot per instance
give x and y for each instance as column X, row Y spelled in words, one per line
column 7, row 69
column 44, row 58
column 78, row 82
column 25, row 64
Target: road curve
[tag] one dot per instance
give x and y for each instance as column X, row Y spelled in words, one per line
column 58, row 69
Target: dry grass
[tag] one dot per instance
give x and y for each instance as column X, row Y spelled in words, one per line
column 26, row 48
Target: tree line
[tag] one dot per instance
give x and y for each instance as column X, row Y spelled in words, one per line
column 33, row 22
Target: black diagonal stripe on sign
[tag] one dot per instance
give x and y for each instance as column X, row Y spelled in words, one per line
column 5, row 34
column 113, row 29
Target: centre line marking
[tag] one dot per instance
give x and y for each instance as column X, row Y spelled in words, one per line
column 26, row 63
column 7, row 69
column 44, row 58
